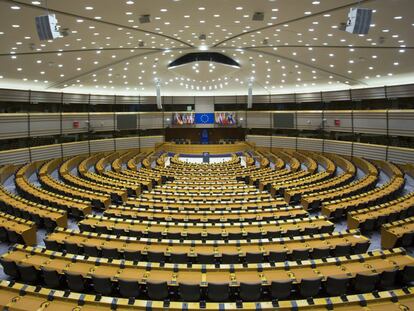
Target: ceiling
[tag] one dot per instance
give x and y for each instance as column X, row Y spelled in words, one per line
column 297, row 48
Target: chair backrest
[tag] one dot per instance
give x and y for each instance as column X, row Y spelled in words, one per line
column 72, row 248
column 28, row 273
column 206, row 259
column 132, row 255
column 277, row 256
column 320, row 253
column 218, row 292
column 230, row 258
column 337, row 286
column 52, row 245
column 129, row 289
column 342, row 250
column 365, row 283
column 408, row 274
column 111, row 253
column 300, row 254
column 9, row 267
column 254, row 257
column 189, row 292
column 157, row 290
column 281, row 289
column 75, row 282
column 102, row 285
column 361, row 247
column 91, row 250
column 156, row 256
column 250, row 291
column 310, row 287
column 178, row 258
column 388, row 278
column 51, row 278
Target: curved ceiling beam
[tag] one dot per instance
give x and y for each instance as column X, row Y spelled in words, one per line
column 331, row 73
column 69, row 80
column 293, row 20
column 221, row 48
column 96, row 20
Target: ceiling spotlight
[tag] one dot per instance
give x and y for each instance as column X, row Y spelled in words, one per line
column 203, row 47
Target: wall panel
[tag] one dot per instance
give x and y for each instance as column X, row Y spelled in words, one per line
column 257, row 119
column 372, row 122
column 102, row 145
column 338, row 147
column 310, row 144
column 309, row 120
column 42, row 124
column 127, row 143
column 76, row 148
column 150, row 120
column 13, row 125
column 283, row 142
column 16, row 156
column 46, row 152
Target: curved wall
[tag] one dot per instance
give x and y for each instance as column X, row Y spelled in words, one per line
column 380, row 122
column 369, row 151
column 24, row 155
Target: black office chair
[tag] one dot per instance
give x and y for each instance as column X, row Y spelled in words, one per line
column 102, row 285
column 388, row 279
column 14, row 237
column 218, row 292
column 407, row 239
column 51, row 278
column 300, row 254
column 368, row 225
column 250, row 291
column 156, row 256
column 189, row 292
column 254, row 257
column 28, row 273
column 129, row 289
column 111, row 253
column 118, row 231
column 91, row 250
column 49, row 224
column 84, row 227
column 342, row 250
column 3, row 235
column 206, row 259
column 229, row 259
column 179, row 258
column 72, row 248
column 361, row 247
column 102, row 230
column 277, row 256
column 281, row 289
column 365, row 283
column 10, row 268
column 292, row 232
column 52, row 245
column 336, row 285
column 310, row 287
column 235, row 236
column 320, row 252
column 76, row 282
column 310, row 231
column 157, row 290
column 132, row 255
column 408, row 274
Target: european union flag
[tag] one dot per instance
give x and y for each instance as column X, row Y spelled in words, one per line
column 204, row 118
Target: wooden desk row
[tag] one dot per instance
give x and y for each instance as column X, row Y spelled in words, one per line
column 314, row 200
column 74, row 206
column 65, row 172
column 174, row 274
column 17, row 296
column 377, row 195
column 270, row 229
column 295, row 194
column 394, row 233
column 205, row 216
column 201, row 206
column 38, row 213
column 97, row 199
column 284, row 245
column 399, row 208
